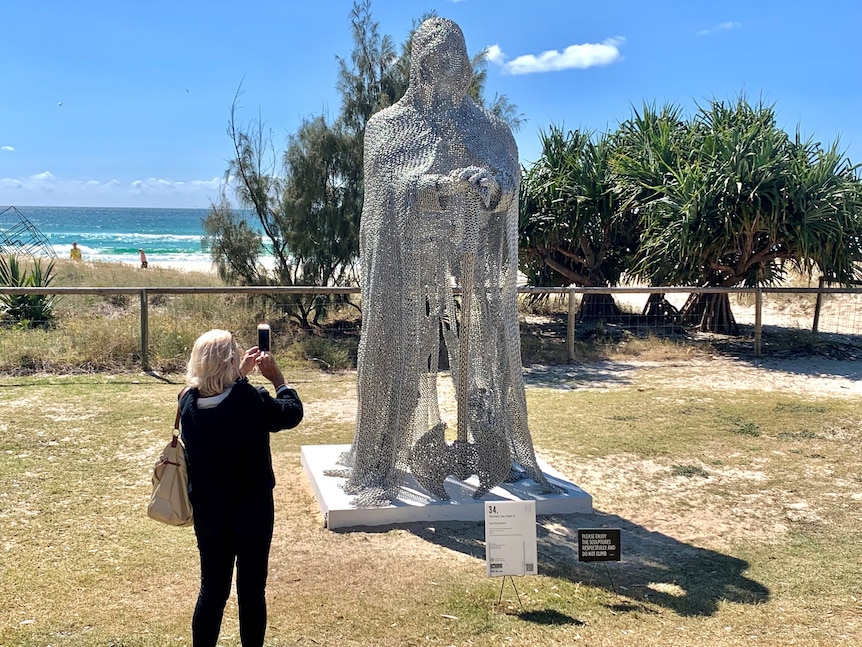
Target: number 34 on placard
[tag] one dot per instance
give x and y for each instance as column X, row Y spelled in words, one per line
column 510, row 537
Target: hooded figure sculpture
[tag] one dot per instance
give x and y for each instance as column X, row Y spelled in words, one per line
column 440, row 210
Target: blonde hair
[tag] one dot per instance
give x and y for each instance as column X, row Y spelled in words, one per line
column 214, row 362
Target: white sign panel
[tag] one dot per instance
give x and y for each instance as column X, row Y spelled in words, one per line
column 510, row 538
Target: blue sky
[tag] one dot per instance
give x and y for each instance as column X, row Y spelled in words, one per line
column 126, row 103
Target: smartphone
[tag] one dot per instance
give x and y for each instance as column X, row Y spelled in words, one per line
column 263, row 336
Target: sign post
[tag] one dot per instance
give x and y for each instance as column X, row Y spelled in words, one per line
column 510, row 540
column 599, row 545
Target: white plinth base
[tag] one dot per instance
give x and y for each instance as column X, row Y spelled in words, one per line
column 415, row 505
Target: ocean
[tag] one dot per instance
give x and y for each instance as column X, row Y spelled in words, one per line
column 169, row 237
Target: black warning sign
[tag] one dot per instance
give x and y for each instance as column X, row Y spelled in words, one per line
column 598, row 544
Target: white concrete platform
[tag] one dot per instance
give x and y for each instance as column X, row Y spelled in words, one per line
column 415, row 505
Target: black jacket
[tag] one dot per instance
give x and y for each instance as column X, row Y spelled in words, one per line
column 227, row 449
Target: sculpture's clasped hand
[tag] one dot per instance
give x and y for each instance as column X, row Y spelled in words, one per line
column 477, row 179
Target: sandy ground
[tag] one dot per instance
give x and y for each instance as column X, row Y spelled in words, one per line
column 811, row 375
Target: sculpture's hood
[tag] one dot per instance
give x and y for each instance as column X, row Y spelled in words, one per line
column 440, row 39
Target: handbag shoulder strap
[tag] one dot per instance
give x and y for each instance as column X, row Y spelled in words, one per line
column 177, row 420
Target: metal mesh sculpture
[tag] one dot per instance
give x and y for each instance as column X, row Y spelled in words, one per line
column 440, row 210
column 20, row 237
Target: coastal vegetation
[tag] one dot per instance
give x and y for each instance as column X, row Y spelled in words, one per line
column 724, row 198
column 101, row 332
column 26, row 310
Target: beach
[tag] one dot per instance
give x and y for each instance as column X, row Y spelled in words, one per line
column 170, row 238
column 205, row 266
column 186, row 265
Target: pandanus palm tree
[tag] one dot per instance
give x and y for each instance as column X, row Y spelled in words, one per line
column 740, row 202
column 573, row 230
column 646, row 147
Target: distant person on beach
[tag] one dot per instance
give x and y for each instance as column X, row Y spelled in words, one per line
column 226, row 425
column 75, row 252
column 144, row 263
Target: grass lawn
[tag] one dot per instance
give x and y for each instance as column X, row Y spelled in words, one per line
column 740, row 510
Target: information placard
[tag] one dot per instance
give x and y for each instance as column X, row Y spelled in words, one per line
column 510, row 538
column 599, row 544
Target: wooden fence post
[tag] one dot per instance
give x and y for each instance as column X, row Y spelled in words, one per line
column 145, row 333
column 758, row 321
column 570, row 328
column 817, row 304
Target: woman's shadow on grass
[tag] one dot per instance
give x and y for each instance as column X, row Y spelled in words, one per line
column 655, row 570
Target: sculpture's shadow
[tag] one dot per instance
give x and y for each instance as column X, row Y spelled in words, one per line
column 655, row 570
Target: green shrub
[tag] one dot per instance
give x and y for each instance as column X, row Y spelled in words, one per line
column 27, row 310
column 323, row 352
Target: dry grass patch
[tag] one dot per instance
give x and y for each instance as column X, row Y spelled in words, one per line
column 728, row 538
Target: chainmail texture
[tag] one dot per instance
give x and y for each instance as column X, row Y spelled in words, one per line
column 440, row 211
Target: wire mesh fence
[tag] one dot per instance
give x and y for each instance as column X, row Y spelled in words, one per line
column 93, row 329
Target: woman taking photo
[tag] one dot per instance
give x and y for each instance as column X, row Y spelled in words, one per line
column 226, row 424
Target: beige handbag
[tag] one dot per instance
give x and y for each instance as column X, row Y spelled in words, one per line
column 170, row 500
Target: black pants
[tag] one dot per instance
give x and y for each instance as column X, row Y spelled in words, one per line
column 246, row 541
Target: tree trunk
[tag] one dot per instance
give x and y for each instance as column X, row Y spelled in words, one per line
column 660, row 308
column 710, row 313
column 598, row 307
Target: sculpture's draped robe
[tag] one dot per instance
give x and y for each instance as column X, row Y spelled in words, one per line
column 413, row 239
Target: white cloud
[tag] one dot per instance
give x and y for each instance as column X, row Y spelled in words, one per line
column 724, row 26
column 45, row 189
column 10, row 183
column 494, row 54
column 7, row 148
column 573, row 57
